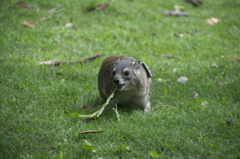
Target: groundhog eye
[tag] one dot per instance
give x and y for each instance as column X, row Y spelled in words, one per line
column 113, row 72
column 127, row 73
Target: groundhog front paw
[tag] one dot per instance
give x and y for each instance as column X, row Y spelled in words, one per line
column 147, row 107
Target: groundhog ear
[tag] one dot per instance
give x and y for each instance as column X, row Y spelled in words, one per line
column 136, row 64
column 149, row 74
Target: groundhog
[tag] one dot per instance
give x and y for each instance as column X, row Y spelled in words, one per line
column 130, row 77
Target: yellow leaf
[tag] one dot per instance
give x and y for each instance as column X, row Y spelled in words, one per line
column 29, row 24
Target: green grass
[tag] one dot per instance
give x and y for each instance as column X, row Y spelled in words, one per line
column 36, row 102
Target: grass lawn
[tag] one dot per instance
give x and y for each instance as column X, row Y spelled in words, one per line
column 37, row 101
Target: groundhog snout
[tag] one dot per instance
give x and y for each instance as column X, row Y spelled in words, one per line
column 118, row 82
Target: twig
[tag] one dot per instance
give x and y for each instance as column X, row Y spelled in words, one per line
column 58, row 62
column 196, row 3
column 175, row 13
column 84, row 37
column 51, row 12
column 92, row 58
column 166, row 56
column 185, row 34
column 199, row 33
column 98, row 7
column 54, row 10
column 232, row 58
column 91, row 132
column 63, row 45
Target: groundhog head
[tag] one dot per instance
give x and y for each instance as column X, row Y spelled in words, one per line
column 125, row 72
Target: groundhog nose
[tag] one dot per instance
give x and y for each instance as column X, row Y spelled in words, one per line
column 116, row 80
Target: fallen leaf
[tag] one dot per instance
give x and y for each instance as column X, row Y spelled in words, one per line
column 196, row 95
column 54, row 10
column 174, row 13
column 29, row 24
column 171, row 57
column 154, row 34
column 125, row 147
column 88, row 146
column 98, row 111
column 74, row 77
column 84, row 37
column 58, row 62
column 87, row 107
column 91, row 132
column 198, row 33
column 196, row 3
column 75, row 115
column 23, row 5
column 212, row 21
column 229, row 122
column 182, row 79
column 90, row 119
column 98, row 7
column 179, row 34
column 232, row 58
column 58, row 73
column 166, row 56
column 92, row 58
column 154, row 154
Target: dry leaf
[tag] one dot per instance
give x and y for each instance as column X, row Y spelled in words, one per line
column 98, row 7
column 87, row 107
column 212, row 21
column 23, row 5
column 229, row 122
column 54, row 10
column 58, row 62
column 182, row 79
column 90, row 119
column 91, row 131
column 174, row 13
column 196, row 3
column 232, row 58
column 179, row 34
column 29, row 24
column 98, row 111
column 196, row 95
